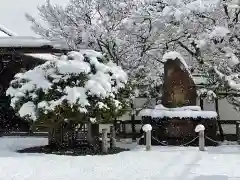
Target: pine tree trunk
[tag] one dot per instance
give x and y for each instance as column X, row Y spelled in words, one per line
column 55, row 136
column 89, row 133
column 70, row 135
column 50, row 137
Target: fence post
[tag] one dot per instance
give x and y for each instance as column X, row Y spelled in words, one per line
column 147, row 128
column 201, row 141
column 104, row 141
column 113, row 137
column 148, row 140
column 200, row 129
column 238, row 131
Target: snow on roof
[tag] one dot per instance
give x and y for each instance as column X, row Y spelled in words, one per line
column 48, row 57
column 182, row 112
column 6, row 32
column 9, row 38
column 2, row 34
column 25, row 41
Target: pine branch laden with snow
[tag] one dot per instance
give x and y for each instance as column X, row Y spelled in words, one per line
column 79, row 83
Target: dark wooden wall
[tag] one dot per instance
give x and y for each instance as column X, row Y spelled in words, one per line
column 9, row 66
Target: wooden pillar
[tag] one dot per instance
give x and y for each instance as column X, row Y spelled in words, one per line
column 219, row 124
column 115, row 124
column 124, row 129
column 62, row 133
column 201, row 103
column 216, row 106
column 133, row 122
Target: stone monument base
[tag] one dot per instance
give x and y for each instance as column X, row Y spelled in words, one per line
column 180, row 131
column 176, row 126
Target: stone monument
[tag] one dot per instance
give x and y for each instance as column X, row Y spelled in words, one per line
column 178, row 115
column 178, row 88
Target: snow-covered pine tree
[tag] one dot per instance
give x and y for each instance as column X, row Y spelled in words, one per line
column 79, row 87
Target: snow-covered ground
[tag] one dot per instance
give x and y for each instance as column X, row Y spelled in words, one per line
column 161, row 163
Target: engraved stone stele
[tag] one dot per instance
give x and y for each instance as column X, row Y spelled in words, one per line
column 179, row 88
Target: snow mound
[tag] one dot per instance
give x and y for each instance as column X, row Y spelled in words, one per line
column 147, row 127
column 160, row 111
column 199, row 128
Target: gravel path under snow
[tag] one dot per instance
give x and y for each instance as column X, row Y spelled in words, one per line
column 162, row 163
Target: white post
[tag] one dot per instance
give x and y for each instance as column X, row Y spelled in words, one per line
column 201, row 141
column 147, row 128
column 148, row 141
column 200, row 129
column 104, row 141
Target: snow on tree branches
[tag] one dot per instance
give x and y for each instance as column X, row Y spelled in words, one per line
column 79, row 83
column 136, row 35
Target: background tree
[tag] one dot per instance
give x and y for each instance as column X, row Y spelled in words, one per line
column 106, row 26
column 136, row 34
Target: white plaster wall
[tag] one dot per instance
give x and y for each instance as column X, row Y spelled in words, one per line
column 227, row 112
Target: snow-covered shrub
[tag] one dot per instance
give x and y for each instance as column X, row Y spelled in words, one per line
column 83, row 86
